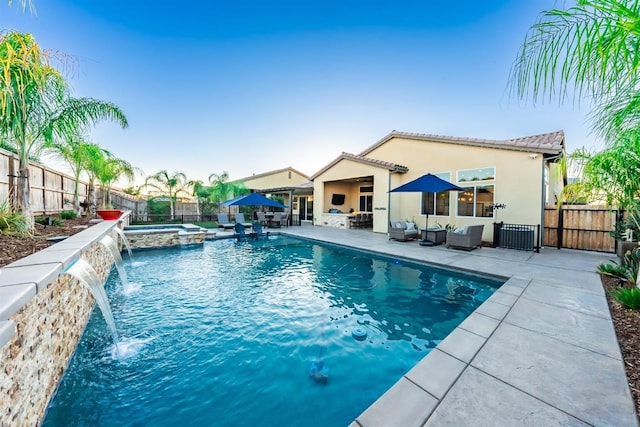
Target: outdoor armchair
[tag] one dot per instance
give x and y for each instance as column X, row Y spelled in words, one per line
column 465, row 238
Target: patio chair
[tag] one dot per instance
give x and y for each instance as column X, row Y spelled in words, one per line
column 258, row 233
column 223, row 222
column 276, row 220
column 468, row 238
column 239, row 217
column 260, row 216
column 356, row 221
column 239, row 232
column 398, row 231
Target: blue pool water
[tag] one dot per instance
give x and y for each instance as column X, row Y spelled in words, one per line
column 226, row 335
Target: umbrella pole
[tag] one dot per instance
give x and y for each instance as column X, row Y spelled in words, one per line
column 426, row 241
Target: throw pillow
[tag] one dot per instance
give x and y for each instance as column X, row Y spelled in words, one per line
column 411, row 226
column 461, row 230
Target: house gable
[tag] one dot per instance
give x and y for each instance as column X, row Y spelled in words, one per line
column 286, row 177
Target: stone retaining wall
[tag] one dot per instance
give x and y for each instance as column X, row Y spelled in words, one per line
column 141, row 238
column 47, row 327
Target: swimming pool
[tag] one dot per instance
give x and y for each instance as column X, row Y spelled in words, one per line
column 227, row 334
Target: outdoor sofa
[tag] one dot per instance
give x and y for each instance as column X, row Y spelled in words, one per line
column 402, row 231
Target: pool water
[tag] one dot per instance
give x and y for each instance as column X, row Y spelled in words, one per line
column 226, row 335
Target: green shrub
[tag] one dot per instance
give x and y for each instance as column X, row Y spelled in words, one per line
column 631, row 261
column 68, row 215
column 614, row 269
column 12, row 222
column 49, row 220
column 629, row 297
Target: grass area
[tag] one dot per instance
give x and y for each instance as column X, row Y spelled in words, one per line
column 209, row 224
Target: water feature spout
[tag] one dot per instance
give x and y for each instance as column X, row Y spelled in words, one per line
column 87, row 276
column 125, row 241
column 111, row 244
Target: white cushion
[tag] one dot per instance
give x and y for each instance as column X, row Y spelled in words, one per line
column 411, row 226
column 461, row 230
column 397, row 224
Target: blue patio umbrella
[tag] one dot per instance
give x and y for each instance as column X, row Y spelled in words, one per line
column 427, row 184
column 253, row 199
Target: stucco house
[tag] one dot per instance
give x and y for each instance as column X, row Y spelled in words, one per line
column 521, row 173
column 285, row 177
column 293, row 186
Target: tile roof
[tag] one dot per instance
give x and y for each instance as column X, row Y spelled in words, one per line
column 273, row 172
column 361, row 159
column 545, row 143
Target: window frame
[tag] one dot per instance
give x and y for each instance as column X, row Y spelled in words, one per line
column 434, row 205
column 474, row 201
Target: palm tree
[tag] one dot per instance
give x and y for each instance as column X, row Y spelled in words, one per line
column 222, row 189
column 109, row 169
column 591, row 48
column 36, row 107
column 170, row 185
column 80, row 155
column 24, row 4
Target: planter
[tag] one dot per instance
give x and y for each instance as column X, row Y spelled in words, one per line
column 109, row 214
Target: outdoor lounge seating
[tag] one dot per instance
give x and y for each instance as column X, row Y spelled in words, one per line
column 223, row 222
column 261, row 217
column 258, row 233
column 402, row 231
column 468, row 238
column 276, row 221
column 239, row 232
column 239, row 217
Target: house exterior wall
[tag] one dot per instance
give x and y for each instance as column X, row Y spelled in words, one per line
column 518, row 180
column 324, row 187
column 519, row 183
column 283, row 178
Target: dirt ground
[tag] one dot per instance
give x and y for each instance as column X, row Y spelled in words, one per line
column 627, row 325
column 625, row 321
column 13, row 248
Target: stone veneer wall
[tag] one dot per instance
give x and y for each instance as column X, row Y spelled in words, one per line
column 48, row 327
column 164, row 238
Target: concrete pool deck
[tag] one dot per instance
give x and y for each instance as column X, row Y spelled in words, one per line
column 541, row 351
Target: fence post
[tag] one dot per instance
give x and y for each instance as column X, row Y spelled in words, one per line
column 539, row 242
column 496, row 234
column 560, row 227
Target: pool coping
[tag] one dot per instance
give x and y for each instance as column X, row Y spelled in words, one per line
column 540, row 351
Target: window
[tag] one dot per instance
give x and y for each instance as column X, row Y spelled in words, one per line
column 476, row 201
column 368, row 189
column 366, row 203
column 474, row 175
column 438, row 205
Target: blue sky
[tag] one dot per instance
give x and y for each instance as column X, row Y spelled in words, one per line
column 248, row 87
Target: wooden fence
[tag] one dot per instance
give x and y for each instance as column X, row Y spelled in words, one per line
column 580, row 227
column 51, row 191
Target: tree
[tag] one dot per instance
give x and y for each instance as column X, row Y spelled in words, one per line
column 591, row 48
column 109, row 169
column 169, row 185
column 36, row 107
column 222, row 189
column 80, row 155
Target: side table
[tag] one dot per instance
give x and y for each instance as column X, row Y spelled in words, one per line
column 435, row 235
